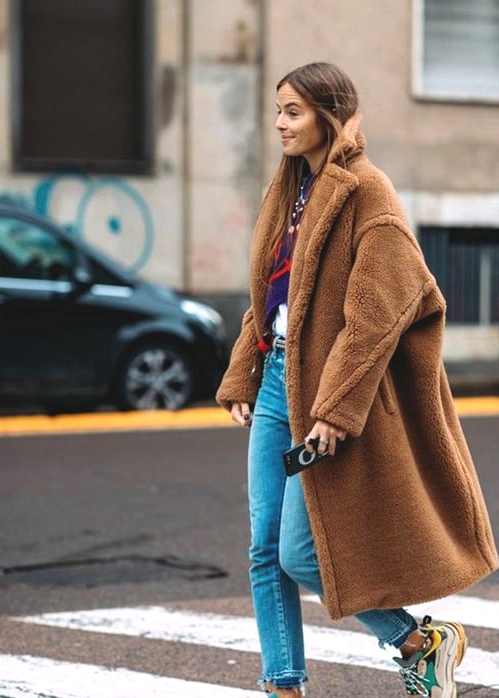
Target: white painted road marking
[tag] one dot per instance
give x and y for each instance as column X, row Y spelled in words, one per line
column 31, row 677
column 468, row 610
column 239, row 634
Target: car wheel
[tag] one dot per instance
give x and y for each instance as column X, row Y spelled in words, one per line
column 155, row 376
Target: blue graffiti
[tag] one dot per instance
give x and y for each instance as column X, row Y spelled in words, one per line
column 141, row 234
column 114, row 223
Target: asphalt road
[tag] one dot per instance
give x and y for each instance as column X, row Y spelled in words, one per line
column 141, row 518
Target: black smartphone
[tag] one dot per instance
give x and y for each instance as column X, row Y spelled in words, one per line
column 298, row 458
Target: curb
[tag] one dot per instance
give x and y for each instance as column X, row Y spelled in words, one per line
column 191, row 418
column 195, row 418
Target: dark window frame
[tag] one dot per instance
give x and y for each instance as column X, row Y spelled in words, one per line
column 465, row 262
column 140, row 165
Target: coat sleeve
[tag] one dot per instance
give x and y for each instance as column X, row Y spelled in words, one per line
column 242, row 378
column 389, row 288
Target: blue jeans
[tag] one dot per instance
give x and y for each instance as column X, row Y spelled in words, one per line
column 282, row 553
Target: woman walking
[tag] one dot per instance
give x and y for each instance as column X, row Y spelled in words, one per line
column 342, row 344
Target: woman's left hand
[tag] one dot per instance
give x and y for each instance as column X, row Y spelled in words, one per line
column 327, row 434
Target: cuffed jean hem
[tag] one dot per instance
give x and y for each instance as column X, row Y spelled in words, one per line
column 398, row 638
column 391, row 626
column 284, row 679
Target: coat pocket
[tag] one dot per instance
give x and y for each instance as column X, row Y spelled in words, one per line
column 386, row 394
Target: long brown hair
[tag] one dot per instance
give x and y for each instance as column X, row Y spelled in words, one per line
column 332, row 94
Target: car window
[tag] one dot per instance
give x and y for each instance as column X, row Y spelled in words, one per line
column 30, row 252
column 100, row 275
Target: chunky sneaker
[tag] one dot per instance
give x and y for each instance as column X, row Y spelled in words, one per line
column 430, row 671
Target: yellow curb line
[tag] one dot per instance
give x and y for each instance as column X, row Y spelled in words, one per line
column 192, row 418
column 195, row 418
column 477, row 406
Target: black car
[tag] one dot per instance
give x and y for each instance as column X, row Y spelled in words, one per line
column 78, row 328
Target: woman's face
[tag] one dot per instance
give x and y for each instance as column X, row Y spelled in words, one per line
column 297, row 124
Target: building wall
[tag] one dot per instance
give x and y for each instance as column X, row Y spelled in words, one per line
column 217, row 63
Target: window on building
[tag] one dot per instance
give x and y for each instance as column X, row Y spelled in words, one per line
column 82, row 86
column 456, row 49
column 465, row 262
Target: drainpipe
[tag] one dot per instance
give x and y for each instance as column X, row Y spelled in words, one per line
column 186, row 187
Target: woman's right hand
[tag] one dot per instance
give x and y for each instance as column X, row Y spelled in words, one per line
column 241, row 413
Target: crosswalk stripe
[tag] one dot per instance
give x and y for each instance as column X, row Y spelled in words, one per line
column 468, row 610
column 239, row 633
column 24, row 676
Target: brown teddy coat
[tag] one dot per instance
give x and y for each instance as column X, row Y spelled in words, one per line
column 397, row 516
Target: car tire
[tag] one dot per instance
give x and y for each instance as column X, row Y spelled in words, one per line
column 153, row 376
